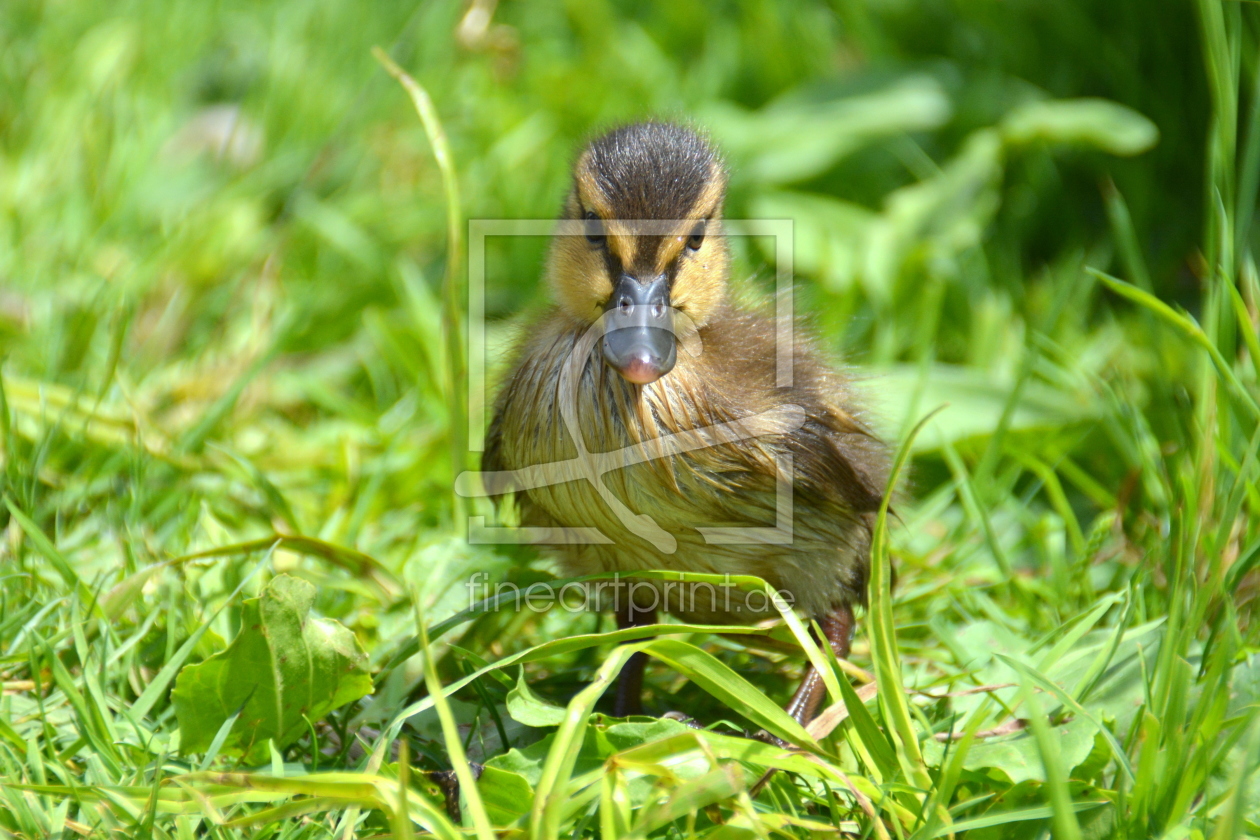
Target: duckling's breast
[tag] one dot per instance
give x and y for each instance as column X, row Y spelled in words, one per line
column 656, row 469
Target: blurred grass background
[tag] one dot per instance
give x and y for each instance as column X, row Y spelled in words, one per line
column 222, row 246
column 230, row 209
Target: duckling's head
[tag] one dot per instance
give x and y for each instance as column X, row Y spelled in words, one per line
column 648, row 256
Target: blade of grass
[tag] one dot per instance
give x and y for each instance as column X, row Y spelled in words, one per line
column 450, row 734
column 550, row 794
column 355, row 562
column 883, row 635
column 715, row 746
column 401, row 817
column 614, row 804
column 977, row 511
column 872, row 744
column 1246, row 328
column 719, row 680
column 59, row 562
column 1186, row 326
column 453, row 286
column 1126, row 237
column 194, row 439
column 1058, row 499
column 1039, row 812
column 1231, row 823
column 1064, row 814
column 951, row 774
column 212, row 752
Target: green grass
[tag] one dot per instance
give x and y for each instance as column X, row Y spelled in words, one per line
column 220, row 374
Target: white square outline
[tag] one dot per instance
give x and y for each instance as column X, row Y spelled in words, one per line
column 481, row 534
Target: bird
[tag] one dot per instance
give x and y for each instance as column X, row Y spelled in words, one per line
column 645, row 419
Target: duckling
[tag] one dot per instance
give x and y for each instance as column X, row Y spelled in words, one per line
column 656, row 402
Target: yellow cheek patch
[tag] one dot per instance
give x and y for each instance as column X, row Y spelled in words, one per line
column 700, row 283
column 579, row 277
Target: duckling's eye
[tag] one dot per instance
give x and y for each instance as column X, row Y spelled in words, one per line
column 697, row 236
column 594, row 229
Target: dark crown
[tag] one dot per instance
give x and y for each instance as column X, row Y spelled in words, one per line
column 651, row 170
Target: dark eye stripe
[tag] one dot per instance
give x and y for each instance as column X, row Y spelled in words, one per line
column 594, row 229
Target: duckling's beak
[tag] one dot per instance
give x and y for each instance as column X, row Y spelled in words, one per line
column 639, row 338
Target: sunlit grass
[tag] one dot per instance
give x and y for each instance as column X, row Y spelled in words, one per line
column 230, row 344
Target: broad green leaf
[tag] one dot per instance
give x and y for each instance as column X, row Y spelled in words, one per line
column 1117, row 693
column 528, row 708
column 936, row 219
column 975, row 403
column 1018, row 757
column 507, row 796
column 829, row 234
column 1029, row 673
column 526, row 763
column 284, row 668
column 798, row 137
column 625, row 736
column 1093, row 122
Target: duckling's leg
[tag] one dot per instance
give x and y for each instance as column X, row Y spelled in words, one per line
column 629, row 699
column 838, row 628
